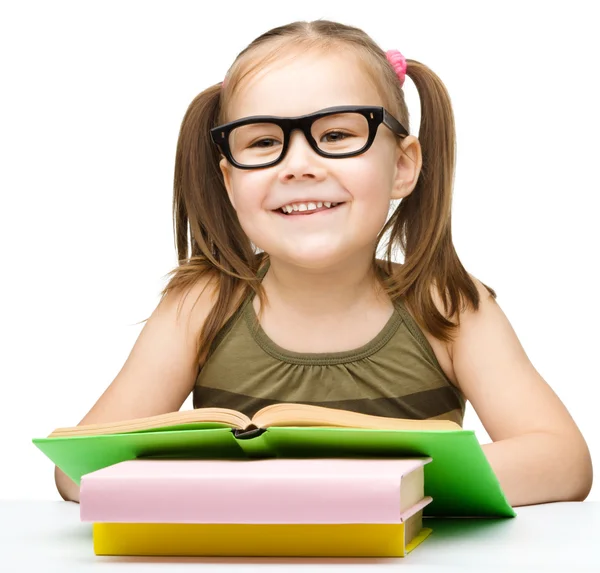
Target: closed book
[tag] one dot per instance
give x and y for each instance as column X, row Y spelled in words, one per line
column 260, row 540
column 262, row 491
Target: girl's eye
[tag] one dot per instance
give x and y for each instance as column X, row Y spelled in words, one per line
column 334, row 136
column 264, row 143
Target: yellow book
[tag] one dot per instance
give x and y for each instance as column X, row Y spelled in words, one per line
column 260, row 540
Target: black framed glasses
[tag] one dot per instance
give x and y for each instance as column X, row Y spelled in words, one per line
column 341, row 131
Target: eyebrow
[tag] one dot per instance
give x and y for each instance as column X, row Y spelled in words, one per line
column 331, row 107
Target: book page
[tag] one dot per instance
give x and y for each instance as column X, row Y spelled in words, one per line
column 223, row 416
column 289, row 414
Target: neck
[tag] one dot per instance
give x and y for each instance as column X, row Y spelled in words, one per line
column 322, row 292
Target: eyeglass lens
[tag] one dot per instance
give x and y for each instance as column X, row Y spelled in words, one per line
column 259, row 143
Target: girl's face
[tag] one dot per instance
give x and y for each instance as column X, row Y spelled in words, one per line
column 362, row 186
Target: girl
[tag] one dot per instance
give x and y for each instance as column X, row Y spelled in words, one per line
column 284, row 180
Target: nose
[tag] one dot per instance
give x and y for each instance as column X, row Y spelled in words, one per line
column 300, row 161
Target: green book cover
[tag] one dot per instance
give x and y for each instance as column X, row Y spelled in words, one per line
column 459, row 479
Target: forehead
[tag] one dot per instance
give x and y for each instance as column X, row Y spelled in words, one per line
column 301, row 83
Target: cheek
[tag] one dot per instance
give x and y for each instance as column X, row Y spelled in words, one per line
column 370, row 179
column 370, row 184
column 248, row 190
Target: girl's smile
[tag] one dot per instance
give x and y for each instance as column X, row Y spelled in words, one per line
column 308, row 208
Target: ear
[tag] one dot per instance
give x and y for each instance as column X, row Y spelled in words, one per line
column 408, row 166
column 226, row 171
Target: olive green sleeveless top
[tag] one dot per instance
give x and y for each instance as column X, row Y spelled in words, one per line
column 396, row 374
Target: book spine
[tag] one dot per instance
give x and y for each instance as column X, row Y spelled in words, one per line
column 249, row 432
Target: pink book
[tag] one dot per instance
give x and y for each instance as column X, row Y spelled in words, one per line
column 277, row 490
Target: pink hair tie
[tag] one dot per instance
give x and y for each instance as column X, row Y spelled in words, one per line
column 398, row 62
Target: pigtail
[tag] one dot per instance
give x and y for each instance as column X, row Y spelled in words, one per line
column 421, row 225
column 200, row 203
column 191, row 175
column 209, row 239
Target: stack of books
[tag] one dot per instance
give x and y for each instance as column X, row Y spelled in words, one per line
column 295, row 480
column 269, row 507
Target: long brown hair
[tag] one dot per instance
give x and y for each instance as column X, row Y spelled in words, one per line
column 212, row 245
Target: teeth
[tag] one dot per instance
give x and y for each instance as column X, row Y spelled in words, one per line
column 307, row 206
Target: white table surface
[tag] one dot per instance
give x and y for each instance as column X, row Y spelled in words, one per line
column 48, row 536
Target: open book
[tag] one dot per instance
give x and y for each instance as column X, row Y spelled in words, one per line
column 460, row 479
column 276, row 415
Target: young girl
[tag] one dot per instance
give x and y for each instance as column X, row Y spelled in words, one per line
column 283, row 297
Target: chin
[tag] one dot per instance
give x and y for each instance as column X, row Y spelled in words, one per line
column 314, row 259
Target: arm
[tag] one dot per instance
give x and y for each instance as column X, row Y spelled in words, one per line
column 159, row 373
column 538, row 453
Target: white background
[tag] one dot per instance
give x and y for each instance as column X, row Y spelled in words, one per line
column 92, row 99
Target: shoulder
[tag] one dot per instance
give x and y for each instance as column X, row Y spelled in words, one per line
column 470, row 323
column 193, row 303
column 472, row 320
